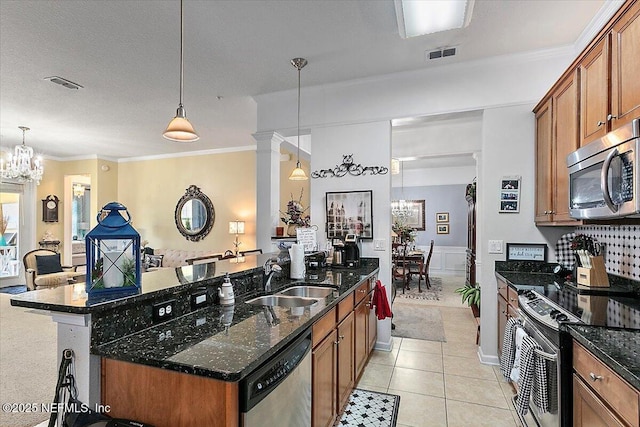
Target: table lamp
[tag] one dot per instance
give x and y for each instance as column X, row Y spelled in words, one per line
column 237, row 228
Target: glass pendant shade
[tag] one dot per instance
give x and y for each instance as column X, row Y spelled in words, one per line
column 180, row 128
column 298, row 174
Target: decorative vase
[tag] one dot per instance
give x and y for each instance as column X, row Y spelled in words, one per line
column 291, row 230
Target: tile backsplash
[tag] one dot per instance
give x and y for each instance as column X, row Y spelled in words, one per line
column 622, row 256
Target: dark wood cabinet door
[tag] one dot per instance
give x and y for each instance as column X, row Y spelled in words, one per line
column 346, row 369
column 594, row 92
column 502, row 321
column 361, row 339
column 372, row 324
column 565, row 128
column 589, row 410
column 325, row 375
column 543, row 163
column 625, row 66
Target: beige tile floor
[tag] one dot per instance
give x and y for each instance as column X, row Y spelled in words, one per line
column 442, row 384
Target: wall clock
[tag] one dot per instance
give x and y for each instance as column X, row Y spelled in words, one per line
column 50, row 208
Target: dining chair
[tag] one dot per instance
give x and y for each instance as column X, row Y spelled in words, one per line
column 425, row 269
column 400, row 266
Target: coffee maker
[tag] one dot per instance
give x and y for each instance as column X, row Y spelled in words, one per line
column 351, row 251
column 338, row 253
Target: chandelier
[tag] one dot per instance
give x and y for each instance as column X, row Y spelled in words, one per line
column 400, row 209
column 78, row 190
column 22, row 166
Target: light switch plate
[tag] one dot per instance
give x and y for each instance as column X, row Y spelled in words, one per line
column 495, row 246
column 379, row 244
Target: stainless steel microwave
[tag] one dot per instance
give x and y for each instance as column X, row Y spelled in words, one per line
column 603, row 176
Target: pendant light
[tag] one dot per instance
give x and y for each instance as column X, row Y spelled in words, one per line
column 298, row 174
column 22, row 166
column 179, row 128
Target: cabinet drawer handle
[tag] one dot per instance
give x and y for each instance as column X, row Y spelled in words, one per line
column 611, row 117
column 368, row 305
column 512, row 299
column 595, row 377
column 362, row 291
column 552, row 212
column 600, row 123
column 341, row 337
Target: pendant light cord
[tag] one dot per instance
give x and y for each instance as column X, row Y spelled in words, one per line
column 181, row 49
column 299, row 68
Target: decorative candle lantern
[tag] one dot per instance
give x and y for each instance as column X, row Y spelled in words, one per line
column 113, row 253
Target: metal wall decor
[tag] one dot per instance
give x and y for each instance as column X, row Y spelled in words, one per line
column 349, row 167
column 194, row 214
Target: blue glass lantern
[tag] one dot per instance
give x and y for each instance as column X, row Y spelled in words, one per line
column 113, row 253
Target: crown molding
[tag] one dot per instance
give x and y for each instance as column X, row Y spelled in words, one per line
column 597, row 23
column 188, row 154
column 74, row 158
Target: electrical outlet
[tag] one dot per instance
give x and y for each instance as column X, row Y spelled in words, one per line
column 199, row 299
column 495, row 246
column 379, row 244
column 164, row 311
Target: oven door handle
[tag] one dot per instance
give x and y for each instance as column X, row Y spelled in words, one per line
column 604, row 182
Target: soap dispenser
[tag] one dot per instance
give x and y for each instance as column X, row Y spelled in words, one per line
column 226, row 292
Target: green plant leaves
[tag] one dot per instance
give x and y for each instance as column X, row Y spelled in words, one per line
column 470, row 294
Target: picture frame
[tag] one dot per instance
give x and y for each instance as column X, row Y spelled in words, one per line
column 349, row 212
column 442, row 217
column 510, row 194
column 527, row 252
column 442, row 228
column 416, row 218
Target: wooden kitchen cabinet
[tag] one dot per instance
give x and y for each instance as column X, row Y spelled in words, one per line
column 609, row 84
column 361, row 313
column 556, row 138
column 372, row 324
column 507, row 307
column 346, row 358
column 324, row 368
column 600, row 396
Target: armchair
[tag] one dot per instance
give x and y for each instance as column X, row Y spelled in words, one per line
column 48, row 280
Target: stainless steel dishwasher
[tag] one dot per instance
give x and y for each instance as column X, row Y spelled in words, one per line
column 278, row 393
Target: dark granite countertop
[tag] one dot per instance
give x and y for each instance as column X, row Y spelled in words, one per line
column 619, row 349
column 199, row 343
column 73, row 298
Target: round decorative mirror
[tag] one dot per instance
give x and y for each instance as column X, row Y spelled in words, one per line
column 194, row 214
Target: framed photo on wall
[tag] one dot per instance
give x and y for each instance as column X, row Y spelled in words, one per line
column 510, row 194
column 415, row 219
column 442, row 228
column 442, row 217
column 349, row 212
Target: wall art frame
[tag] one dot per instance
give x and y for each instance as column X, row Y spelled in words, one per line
column 442, row 228
column 349, row 212
column 442, row 217
column 510, row 194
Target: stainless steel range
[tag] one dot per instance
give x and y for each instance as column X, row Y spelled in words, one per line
column 543, row 310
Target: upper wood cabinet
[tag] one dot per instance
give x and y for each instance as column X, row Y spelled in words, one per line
column 556, row 137
column 609, row 84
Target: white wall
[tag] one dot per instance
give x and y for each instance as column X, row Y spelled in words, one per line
column 358, row 139
column 506, row 88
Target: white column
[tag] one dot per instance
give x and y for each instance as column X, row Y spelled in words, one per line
column 74, row 332
column 268, row 186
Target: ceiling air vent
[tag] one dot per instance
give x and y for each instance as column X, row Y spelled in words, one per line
column 441, row 53
column 64, row 82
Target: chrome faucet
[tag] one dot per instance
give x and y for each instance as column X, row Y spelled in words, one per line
column 270, row 267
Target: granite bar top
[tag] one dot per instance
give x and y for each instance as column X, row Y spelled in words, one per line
column 619, row 349
column 227, row 343
column 73, row 298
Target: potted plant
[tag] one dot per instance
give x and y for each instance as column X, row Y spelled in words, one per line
column 293, row 216
column 471, row 295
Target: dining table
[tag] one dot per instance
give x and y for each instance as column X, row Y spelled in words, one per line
column 415, row 257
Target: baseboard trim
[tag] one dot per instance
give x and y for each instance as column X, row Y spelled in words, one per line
column 488, row 359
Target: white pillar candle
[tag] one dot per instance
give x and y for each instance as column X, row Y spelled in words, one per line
column 112, row 275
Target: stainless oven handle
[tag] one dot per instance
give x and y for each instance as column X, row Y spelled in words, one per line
column 604, row 182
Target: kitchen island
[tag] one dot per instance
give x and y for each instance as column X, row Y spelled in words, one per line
column 215, row 346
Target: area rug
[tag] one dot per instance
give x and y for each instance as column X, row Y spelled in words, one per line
column 18, row 289
column 433, row 293
column 370, row 409
column 417, row 321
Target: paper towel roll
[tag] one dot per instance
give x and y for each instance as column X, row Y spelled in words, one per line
column 296, row 252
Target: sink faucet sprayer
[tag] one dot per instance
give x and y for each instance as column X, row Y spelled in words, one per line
column 270, row 267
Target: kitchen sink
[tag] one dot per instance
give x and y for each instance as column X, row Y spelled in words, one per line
column 308, row 291
column 282, row 301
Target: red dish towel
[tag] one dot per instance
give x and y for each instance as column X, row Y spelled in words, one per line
column 380, row 301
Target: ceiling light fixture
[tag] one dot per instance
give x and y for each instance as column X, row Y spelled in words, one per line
column 78, row 190
column 22, row 166
column 419, row 17
column 298, row 174
column 400, row 209
column 180, row 129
